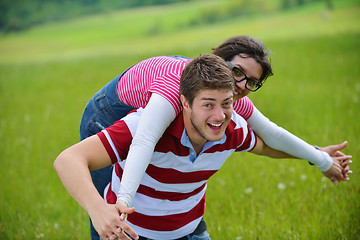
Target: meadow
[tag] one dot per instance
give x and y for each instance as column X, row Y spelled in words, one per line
column 48, row 73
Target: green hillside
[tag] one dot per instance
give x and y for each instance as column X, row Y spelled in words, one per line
column 155, row 30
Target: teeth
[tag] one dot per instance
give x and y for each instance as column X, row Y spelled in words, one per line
column 215, row 125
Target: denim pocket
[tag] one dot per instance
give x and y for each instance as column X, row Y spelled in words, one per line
column 99, row 125
column 100, row 97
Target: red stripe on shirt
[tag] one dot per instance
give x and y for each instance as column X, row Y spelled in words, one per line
column 168, row 222
column 171, row 196
column 121, row 137
column 111, row 197
column 168, row 143
column 166, row 175
column 247, row 142
column 107, row 146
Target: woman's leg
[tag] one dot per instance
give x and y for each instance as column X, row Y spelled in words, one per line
column 102, row 111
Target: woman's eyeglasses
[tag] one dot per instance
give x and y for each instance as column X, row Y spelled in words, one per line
column 240, row 76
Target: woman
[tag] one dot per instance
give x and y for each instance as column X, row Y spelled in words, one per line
column 154, row 83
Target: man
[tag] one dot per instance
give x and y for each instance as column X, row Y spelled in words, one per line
column 170, row 201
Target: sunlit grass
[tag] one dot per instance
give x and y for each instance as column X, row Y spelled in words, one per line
column 48, row 74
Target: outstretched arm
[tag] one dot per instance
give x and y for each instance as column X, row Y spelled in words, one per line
column 282, row 140
column 73, row 166
column 338, row 171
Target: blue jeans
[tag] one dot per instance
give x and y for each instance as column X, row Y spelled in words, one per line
column 103, row 109
column 201, row 236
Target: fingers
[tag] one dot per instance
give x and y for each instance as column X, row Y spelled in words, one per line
column 338, row 177
column 117, row 234
column 342, row 145
column 342, row 169
column 120, row 230
column 343, row 158
column 120, row 235
column 123, row 216
column 129, row 231
column 124, row 209
column 334, row 150
column 339, row 147
column 345, row 163
column 347, row 176
column 338, row 154
column 123, row 233
column 346, row 169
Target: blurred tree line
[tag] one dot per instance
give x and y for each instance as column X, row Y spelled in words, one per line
column 236, row 8
column 293, row 3
column 17, row 15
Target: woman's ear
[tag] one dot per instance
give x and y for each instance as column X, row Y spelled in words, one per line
column 184, row 102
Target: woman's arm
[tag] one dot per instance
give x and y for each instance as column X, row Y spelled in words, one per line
column 338, row 171
column 156, row 117
column 282, row 140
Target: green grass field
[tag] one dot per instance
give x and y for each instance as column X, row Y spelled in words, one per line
column 47, row 75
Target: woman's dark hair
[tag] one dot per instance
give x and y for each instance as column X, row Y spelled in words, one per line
column 249, row 47
column 207, row 71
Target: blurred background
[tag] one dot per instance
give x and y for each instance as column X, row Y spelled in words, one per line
column 55, row 54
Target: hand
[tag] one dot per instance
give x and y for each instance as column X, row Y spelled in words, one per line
column 109, row 224
column 339, row 170
column 334, row 150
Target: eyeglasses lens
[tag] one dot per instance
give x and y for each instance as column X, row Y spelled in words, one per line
column 250, row 83
column 238, row 75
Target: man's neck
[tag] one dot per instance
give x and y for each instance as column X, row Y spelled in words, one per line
column 196, row 139
column 197, row 147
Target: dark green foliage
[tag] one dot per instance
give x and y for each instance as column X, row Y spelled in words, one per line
column 16, row 15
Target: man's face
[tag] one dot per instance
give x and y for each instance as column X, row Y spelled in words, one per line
column 251, row 68
column 209, row 115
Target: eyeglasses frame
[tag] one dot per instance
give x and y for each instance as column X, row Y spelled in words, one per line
column 257, row 85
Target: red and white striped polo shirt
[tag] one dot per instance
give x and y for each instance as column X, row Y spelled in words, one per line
column 161, row 75
column 170, row 200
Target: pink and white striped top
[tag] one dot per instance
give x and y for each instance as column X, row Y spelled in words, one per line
column 161, row 75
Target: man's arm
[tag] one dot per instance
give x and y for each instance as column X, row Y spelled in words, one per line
column 338, row 170
column 73, row 167
column 262, row 149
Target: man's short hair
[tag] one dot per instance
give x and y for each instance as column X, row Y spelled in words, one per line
column 207, row 71
column 248, row 46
